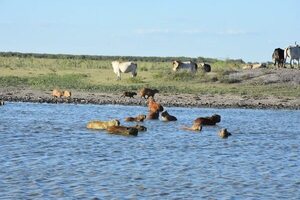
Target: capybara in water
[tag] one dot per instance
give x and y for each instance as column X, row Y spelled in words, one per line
column 129, row 94
column 154, row 106
column 148, row 92
column 223, row 133
column 208, row 120
column 195, row 127
column 101, row 125
column 153, row 115
column 139, row 118
column 167, row 117
column 122, row 130
column 140, row 127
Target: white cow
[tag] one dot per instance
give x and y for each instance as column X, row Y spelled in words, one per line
column 292, row 52
column 124, row 67
column 189, row 65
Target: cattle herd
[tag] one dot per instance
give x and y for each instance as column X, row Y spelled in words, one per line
column 155, row 112
column 280, row 56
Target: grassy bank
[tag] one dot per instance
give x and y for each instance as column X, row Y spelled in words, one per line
column 95, row 74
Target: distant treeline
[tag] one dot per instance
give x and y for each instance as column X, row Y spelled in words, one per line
column 131, row 58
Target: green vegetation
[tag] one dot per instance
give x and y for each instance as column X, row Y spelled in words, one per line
column 94, row 73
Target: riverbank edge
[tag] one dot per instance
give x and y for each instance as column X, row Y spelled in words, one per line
column 167, row 100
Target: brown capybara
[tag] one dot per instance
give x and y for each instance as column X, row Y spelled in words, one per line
column 102, row 125
column 122, row 130
column 140, row 127
column 148, row 92
column 129, row 94
column 223, row 133
column 139, row 118
column 167, row 117
column 208, row 120
column 154, row 106
column 153, row 115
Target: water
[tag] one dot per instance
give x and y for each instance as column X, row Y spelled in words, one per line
column 47, row 153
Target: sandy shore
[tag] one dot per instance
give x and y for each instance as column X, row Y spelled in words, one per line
column 179, row 100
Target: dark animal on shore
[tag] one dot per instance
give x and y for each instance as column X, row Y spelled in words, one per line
column 101, row 125
column 122, row 130
column 223, row 133
column 167, row 117
column 153, row 115
column 148, row 92
column 208, row 120
column 140, row 127
column 129, row 94
column 154, row 106
column 195, row 127
column 205, row 67
column 278, row 58
column 188, row 65
column 1, row 102
column 139, row 118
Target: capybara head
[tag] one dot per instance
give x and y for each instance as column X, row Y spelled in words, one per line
column 223, row 133
column 140, row 127
column 133, row 131
column 216, row 118
column 141, row 118
column 165, row 114
column 114, row 122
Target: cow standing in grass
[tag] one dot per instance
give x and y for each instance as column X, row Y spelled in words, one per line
column 292, row 52
column 189, row 65
column 278, row 57
column 124, row 67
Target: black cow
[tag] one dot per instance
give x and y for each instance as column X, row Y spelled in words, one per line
column 278, row 57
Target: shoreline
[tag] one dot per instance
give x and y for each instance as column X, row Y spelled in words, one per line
column 167, row 100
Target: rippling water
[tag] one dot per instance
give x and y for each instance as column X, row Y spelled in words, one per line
column 47, row 153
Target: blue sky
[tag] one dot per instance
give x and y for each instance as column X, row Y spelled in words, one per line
column 222, row 29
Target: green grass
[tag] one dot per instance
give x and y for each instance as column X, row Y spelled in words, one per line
column 97, row 75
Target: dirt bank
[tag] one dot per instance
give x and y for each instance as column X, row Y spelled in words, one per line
column 21, row 94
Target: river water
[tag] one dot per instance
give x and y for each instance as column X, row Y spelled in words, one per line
column 46, row 152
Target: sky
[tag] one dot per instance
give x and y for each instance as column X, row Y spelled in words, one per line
column 223, row 29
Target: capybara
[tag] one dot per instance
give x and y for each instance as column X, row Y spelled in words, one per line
column 129, row 94
column 223, row 133
column 140, row 127
column 167, row 117
column 148, row 92
column 101, row 125
column 122, row 130
column 139, row 118
column 154, row 106
column 208, row 120
column 153, row 115
column 66, row 94
column 195, row 127
column 57, row 93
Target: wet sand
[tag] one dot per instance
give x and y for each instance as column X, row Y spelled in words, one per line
column 12, row 94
